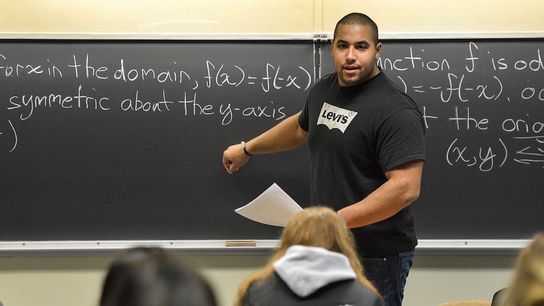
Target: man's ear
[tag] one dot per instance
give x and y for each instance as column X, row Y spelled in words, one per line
column 378, row 50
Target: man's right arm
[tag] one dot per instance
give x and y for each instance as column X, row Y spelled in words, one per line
column 284, row 136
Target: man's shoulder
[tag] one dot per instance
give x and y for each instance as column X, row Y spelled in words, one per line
column 327, row 80
column 391, row 92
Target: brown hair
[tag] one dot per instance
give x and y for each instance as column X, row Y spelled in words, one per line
column 316, row 226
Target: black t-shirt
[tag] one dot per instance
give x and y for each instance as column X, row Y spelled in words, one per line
column 356, row 134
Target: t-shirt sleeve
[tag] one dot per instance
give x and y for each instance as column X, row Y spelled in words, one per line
column 303, row 118
column 401, row 139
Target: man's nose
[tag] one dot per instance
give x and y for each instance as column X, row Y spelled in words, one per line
column 350, row 53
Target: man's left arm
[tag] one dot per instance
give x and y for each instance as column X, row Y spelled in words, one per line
column 400, row 190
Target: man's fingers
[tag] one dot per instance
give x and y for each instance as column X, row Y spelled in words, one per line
column 229, row 166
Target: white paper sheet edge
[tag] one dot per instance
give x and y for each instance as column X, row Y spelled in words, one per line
column 273, row 207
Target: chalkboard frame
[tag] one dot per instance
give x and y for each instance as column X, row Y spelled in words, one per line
column 436, row 244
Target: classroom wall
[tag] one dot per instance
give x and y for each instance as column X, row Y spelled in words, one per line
column 76, row 280
column 201, row 18
column 61, row 279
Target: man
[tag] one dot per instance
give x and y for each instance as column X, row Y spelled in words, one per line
column 366, row 140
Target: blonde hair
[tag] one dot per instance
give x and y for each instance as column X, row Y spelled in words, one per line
column 316, row 226
column 527, row 288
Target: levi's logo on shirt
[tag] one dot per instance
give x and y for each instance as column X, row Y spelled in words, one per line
column 335, row 117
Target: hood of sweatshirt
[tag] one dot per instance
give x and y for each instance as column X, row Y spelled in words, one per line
column 306, row 269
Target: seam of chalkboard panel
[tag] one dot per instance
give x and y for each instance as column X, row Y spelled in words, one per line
column 261, row 36
column 258, row 246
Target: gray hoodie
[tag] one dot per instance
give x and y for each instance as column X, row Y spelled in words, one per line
column 306, row 269
column 311, row 276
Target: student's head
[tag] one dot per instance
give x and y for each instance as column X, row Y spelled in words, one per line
column 320, row 226
column 316, row 226
column 150, row 276
column 355, row 49
column 527, row 288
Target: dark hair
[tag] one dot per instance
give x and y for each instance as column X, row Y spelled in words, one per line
column 149, row 276
column 358, row 19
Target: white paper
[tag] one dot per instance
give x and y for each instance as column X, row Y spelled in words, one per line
column 273, row 207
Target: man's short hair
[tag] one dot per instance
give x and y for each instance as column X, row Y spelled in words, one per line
column 357, row 19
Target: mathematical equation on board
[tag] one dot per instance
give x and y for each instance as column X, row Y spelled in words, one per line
column 462, row 94
column 178, row 89
column 522, row 139
column 472, row 98
column 487, row 158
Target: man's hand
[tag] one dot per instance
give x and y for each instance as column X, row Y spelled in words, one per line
column 234, row 158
